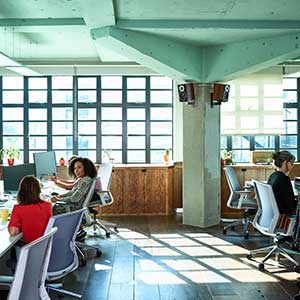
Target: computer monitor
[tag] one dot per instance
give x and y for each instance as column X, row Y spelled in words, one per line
column 45, row 163
column 12, row 176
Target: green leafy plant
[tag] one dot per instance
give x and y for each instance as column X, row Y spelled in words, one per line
column 11, row 152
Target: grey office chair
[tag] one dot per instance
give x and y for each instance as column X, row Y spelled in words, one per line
column 239, row 199
column 266, row 221
column 105, row 198
column 29, row 279
column 63, row 258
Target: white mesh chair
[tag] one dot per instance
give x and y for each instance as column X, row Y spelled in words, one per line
column 239, row 199
column 29, row 279
column 105, row 198
column 266, row 221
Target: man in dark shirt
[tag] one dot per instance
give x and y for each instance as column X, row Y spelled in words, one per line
column 281, row 183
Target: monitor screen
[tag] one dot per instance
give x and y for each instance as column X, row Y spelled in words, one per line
column 45, row 163
column 13, row 175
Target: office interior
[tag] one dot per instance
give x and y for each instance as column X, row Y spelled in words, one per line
column 100, row 79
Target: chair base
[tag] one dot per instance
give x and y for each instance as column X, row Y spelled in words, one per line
column 57, row 287
column 104, row 225
column 81, row 255
column 275, row 250
column 246, row 222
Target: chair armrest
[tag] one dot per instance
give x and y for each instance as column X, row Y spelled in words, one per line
column 60, row 202
column 243, row 195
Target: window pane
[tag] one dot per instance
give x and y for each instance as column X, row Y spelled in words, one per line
column 157, row 156
column 12, row 128
column 37, row 142
column 87, row 83
column 290, row 114
column 11, row 113
column 161, row 127
column 36, row 114
column 290, row 127
column 161, row 142
column 111, row 82
column 87, row 96
column 111, row 97
column 240, row 142
column 37, row 128
column 136, row 114
column 136, row 96
column 161, row 96
column 249, row 90
column 87, row 142
column 273, row 90
column 111, row 127
column 37, row 96
column 62, row 96
column 273, row 122
column 89, row 154
column 12, row 97
column 136, row 142
column 289, row 83
column 160, row 82
column 37, row 83
column 288, row 141
column 111, row 142
column 272, row 104
column 12, row 82
column 266, row 142
column 87, row 114
column 111, row 113
column 249, row 122
column 290, row 96
column 161, row 113
column 87, row 127
column 62, row 142
column 117, row 155
column 66, row 154
column 249, row 103
column 62, row 113
column 223, row 142
column 13, row 140
column 136, row 83
column 62, row 128
column 136, row 128
column 241, row 156
column 136, row 156
column 62, row 82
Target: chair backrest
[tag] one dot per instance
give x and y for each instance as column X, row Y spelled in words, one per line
column 234, row 186
column 90, row 193
column 105, row 172
column 267, row 214
column 63, row 258
column 29, row 278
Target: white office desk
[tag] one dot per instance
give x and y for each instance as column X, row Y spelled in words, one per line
column 7, row 241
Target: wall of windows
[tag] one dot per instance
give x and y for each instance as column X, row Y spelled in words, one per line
column 289, row 140
column 128, row 117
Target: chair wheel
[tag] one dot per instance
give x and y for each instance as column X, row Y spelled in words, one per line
column 246, row 235
column 82, row 262
column 232, row 228
column 297, row 296
column 107, row 234
column 116, row 229
column 98, row 253
column 297, row 269
column 249, row 256
column 224, row 231
column 261, row 266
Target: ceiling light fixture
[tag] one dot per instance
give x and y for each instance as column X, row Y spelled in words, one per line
column 10, row 64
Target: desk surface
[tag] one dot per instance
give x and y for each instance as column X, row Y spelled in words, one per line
column 7, row 241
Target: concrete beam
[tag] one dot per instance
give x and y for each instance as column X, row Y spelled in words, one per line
column 230, row 61
column 42, row 22
column 177, row 60
column 211, row 23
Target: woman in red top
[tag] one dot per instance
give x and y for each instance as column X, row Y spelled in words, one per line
column 31, row 214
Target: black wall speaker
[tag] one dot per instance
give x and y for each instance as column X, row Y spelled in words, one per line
column 220, row 92
column 186, row 92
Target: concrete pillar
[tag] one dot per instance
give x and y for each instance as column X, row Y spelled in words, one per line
column 201, row 160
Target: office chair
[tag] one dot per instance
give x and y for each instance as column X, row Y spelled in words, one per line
column 239, row 199
column 105, row 198
column 86, row 220
column 266, row 221
column 28, row 281
column 63, row 258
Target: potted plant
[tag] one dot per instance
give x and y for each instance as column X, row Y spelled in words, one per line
column 62, row 161
column 226, row 157
column 10, row 153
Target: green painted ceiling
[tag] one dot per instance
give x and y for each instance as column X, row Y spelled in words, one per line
column 187, row 40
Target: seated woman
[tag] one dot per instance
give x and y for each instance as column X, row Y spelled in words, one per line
column 84, row 171
column 31, row 214
column 281, row 183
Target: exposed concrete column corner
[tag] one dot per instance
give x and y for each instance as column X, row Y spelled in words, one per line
column 201, row 164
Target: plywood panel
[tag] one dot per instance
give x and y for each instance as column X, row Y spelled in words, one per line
column 177, row 186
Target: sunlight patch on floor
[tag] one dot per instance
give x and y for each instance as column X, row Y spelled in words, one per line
column 160, row 278
column 204, row 277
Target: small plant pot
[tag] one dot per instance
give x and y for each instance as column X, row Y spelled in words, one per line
column 62, row 162
column 11, row 161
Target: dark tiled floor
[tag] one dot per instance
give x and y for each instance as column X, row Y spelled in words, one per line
column 158, row 258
